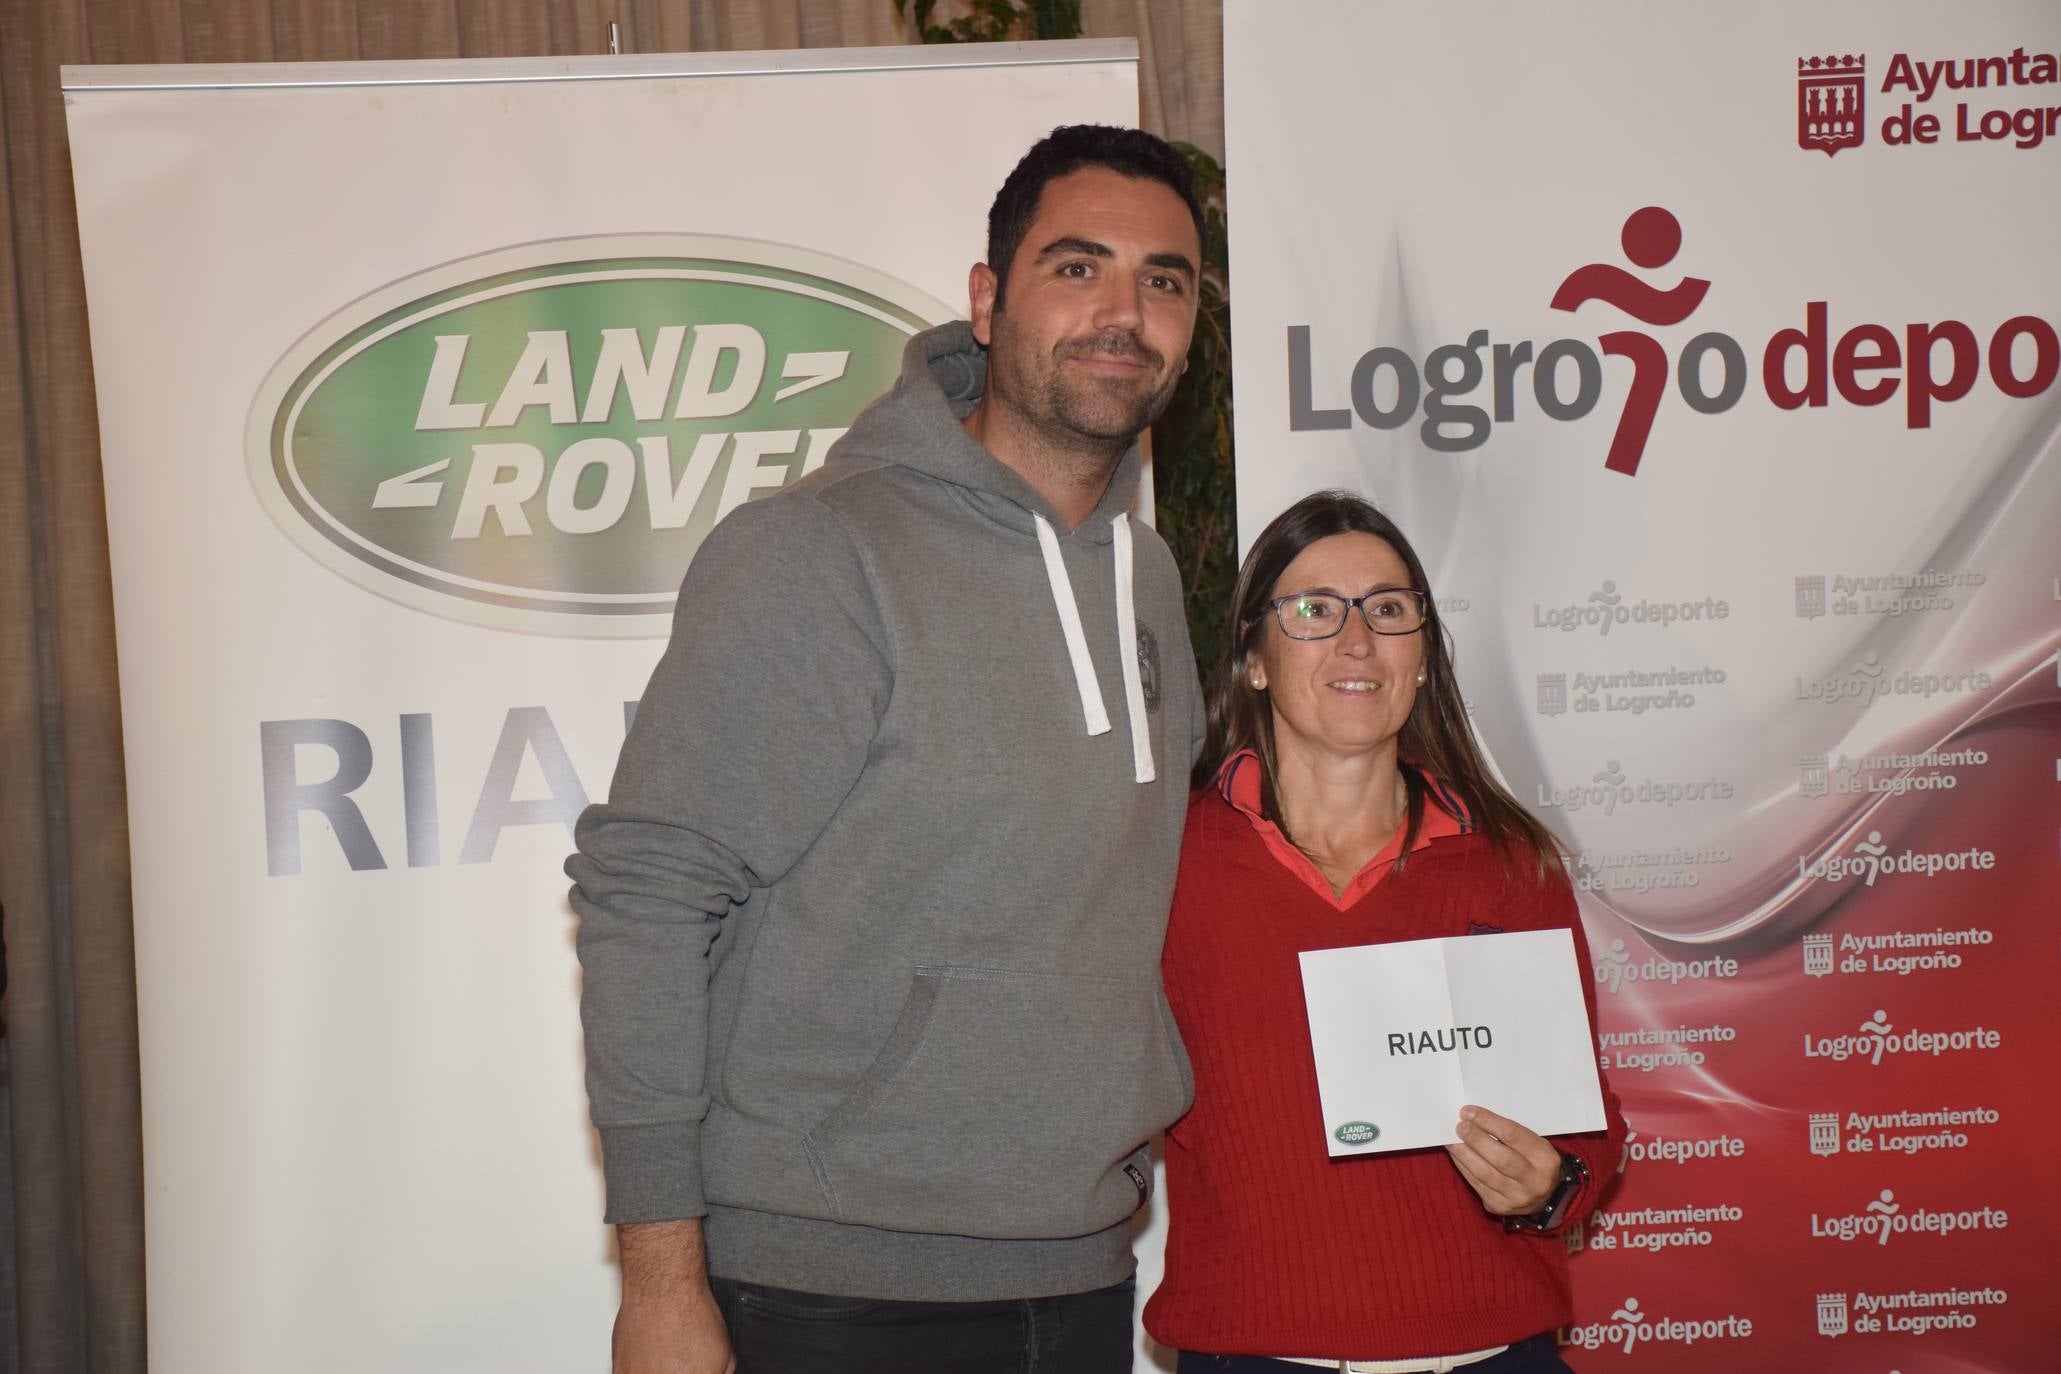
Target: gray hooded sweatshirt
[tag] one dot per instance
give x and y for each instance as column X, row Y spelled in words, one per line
column 871, row 920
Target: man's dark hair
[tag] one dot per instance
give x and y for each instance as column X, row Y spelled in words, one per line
column 1066, row 150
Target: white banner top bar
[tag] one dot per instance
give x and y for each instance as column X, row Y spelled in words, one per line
column 486, row 71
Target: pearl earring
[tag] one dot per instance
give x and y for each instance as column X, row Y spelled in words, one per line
column 1420, row 679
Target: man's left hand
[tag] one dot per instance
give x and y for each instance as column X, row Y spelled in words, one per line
column 1513, row 1168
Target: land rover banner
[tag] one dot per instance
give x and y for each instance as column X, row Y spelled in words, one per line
column 1709, row 355
column 419, row 386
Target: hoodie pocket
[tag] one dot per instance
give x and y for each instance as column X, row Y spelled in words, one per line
column 1004, row 1104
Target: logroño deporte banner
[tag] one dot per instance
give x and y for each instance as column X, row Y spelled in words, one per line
column 1709, row 355
column 419, row 385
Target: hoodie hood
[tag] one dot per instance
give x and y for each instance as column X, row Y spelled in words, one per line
column 917, row 424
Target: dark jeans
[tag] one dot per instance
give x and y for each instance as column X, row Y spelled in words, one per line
column 778, row 1331
column 1539, row 1355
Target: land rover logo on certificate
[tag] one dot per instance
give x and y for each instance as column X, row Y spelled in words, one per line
column 1357, row 1133
column 539, row 438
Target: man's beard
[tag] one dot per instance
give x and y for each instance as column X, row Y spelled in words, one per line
column 1101, row 410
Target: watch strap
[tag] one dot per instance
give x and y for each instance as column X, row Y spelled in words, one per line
column 1574, row 1172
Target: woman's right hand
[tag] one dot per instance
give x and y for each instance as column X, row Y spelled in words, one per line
column 1513, row 1169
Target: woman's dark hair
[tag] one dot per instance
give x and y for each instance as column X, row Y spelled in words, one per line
column 1437, row 739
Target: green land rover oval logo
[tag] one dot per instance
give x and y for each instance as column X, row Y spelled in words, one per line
column 1357, row 1133
column 540, row 437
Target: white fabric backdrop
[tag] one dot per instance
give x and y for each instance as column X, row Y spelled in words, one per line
column 365, row 1132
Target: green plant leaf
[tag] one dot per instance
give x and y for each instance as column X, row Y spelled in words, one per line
column 994, row 21
column 1194, row 490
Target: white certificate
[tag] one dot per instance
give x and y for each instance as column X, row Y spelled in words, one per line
column 1406, row 1034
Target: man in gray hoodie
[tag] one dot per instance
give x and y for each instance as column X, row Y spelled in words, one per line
column 871, row 921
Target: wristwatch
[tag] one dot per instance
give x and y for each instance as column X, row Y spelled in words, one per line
column 1573, row 1174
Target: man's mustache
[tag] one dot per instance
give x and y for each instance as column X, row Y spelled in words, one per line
column 1112, row 344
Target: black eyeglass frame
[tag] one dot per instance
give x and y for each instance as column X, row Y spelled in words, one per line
column 1352, row 603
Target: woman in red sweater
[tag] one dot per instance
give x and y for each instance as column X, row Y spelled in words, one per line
column 1343, row 800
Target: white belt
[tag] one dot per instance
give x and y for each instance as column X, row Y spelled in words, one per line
column 1439, row 1364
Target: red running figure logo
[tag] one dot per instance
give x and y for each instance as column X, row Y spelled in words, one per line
column 1651, row 238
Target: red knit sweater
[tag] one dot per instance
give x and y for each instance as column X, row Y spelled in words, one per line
column 1273, row 1247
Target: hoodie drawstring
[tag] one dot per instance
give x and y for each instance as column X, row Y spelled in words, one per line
column 1093, row 713
column 1076, row 638
column 1127, row 633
